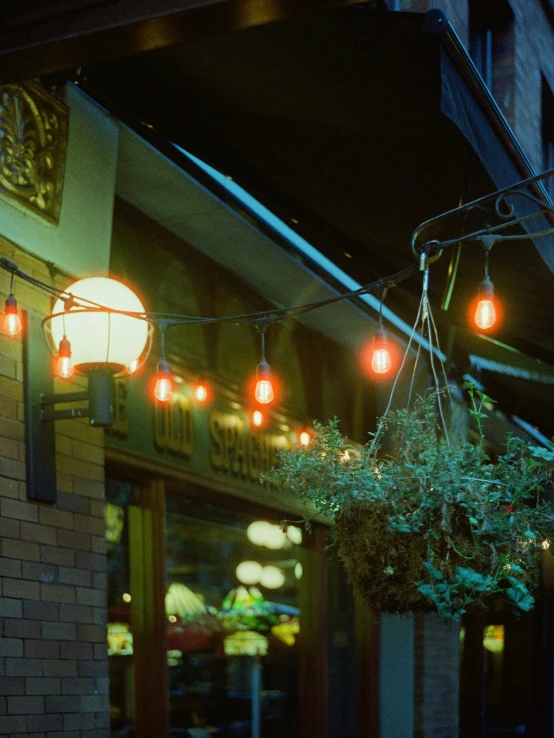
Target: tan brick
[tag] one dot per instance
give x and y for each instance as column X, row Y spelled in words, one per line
column 64, row 481
column 10, row 448
column 11, row 648
column 38, row 533
column 72, row 650
column 41, row 610
column 10, row 528
column 91, row 561
column 10, row 568
column 91, row 633
column 78, row 685
column 72, row 539
column 9, row 487
column 88, row 452
column 98, row 545
column 89, row 488
column 57, row 593
column 47, row 723
column 8, row 408
column 21, row 628
column 19, row 510
column 12, row 686
column 58, row 518
column 60, row 556
column 88, row 524
column 10, row 608
column 96, row 703
column 20, row 589
column 39, row 572
column 73, row 503
column 23, row 667
column 77, row 577
column 42, row 686
column 40, row 649
column 13, row 724
column 20, row 550
column 59, row 631
column 65, row 704
column 81, row 614
column 94, row 597
column 80, row 468
column 63, row 444
column 12, row 389
column 13, row 348
column 8, row 366
column 12, row 468
column 60, row 667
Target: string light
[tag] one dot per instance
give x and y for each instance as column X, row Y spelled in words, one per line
column 264, row 392
column 12, row 318
column 201, row 392
column 381, row 361
column 163, row 388
column 305, row 438
column 64, row 364
column 258, row 419
column 486, row 313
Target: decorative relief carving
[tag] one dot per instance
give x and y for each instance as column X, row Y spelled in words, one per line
column 33, row 147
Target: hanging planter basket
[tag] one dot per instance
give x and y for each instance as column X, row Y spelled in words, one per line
column 433, row 526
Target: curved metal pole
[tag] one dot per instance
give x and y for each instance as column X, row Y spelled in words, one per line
column 499, row 198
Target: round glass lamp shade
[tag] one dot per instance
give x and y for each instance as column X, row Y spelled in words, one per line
column 100, row 338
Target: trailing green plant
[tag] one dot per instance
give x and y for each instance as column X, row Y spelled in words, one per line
column 431, row 524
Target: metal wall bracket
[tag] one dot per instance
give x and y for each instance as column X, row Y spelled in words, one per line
column 48, row 401
column 39, row 436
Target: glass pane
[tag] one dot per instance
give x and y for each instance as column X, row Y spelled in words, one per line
column 120, row 635
column 233, row 623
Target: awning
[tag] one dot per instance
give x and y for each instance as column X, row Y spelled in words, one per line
column 354, row 127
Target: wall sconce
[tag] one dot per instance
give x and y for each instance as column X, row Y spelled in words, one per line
column 99, row 334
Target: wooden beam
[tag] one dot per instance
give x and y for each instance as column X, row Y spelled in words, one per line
column 42, row 38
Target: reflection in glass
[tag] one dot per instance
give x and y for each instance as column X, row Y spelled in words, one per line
column 233, row 645
column 119, row 635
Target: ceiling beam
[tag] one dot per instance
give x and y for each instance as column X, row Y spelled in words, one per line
column 38, row 38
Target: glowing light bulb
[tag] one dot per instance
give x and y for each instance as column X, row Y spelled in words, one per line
column 12, row 319
column 264, row 392
column 485, row 312
column 257, row 418
column 381, row 361
column 163, row 389
column 305, row 438
column 133, row 366
column 64, row 368
column 201, row 393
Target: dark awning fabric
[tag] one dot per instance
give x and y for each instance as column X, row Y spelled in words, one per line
column 354, row 127
column 460, row 105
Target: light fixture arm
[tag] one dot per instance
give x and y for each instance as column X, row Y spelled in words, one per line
column 503, row 209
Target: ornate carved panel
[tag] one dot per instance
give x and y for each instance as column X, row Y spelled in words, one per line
column 33, row 147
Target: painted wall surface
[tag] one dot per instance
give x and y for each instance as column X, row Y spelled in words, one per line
column 80, row 244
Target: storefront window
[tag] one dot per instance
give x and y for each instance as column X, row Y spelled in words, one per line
column 233, row 621
column 120, row 634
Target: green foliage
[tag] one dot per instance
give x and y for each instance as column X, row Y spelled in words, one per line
column 430, row 526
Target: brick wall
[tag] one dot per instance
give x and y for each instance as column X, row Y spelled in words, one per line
column 53, row 656
column 437, row 667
